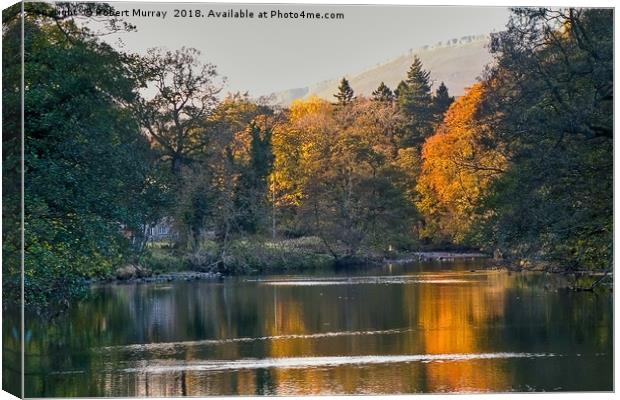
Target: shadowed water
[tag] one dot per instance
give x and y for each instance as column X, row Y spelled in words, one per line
column 434, row 327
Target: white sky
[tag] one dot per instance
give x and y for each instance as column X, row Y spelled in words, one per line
column 265, row 56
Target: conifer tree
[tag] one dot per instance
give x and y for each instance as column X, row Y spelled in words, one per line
column 402, row 86
column 416, row 105
column 441, row 101
column 383, row 93
column 345, row 93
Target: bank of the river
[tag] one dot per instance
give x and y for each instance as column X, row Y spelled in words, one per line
column 436, row 256
column 176, row 272
column 162, row 278
column 303, row 259
column 143, row 274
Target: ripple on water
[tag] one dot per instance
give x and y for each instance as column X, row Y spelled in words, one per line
column 372, row 280
column 207, row 342
column 309, row 362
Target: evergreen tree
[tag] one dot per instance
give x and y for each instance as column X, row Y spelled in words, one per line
column 402, row 86
column 383, row 93
column 345, row 93
column 441, row 101
column 416, row 105
column 418, row 79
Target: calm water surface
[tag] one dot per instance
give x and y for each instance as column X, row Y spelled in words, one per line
column 394, row 329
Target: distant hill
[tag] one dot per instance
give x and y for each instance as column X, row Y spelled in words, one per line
column 457, row 62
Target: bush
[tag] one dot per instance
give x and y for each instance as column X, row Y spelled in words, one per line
column 162, row 261
column 246, row 256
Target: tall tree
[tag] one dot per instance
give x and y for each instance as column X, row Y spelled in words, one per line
column 11, row 150
column 90, row 179
column 457, row 171
column 400, row 88
column 185, row 94
column 224, row 191
column 252, row 193
column 383, row 93
column 549, row 102
column 415, row 102
column 345, row 93
column 343, row 179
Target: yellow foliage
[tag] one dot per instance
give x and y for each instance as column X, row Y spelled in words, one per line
column 312, row 106
column 297, row 143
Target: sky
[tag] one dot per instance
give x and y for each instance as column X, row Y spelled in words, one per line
column 263, row 56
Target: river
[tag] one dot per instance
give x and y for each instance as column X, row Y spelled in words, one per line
column 421, row 327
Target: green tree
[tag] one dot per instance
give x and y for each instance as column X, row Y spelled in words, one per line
column 11, row 149
column 383, row 93
column 88, row 168
column 441, row 102
column 345, row 93
column 400, row 88
column 549, row 106
column 415, row 103
column 251, row 196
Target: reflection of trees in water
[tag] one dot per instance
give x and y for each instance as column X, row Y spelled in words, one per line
column 576, row 325
column 11, row 351
column 455, row 319
column 341, row 308
column 289, row 318
column 494, row 313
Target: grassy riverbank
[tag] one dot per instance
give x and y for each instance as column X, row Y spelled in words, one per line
column 254, row 256
column 243, row 256
column 257, row 255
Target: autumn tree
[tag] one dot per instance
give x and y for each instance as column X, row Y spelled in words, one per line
column 348, row 187
column 297, row 143
column 456, row 171
column 224, row 190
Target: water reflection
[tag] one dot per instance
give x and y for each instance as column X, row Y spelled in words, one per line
column 452, row 318
column 11, row 352
column 404, row 329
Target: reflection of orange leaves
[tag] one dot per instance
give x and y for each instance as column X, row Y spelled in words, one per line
column 453, row 318
column 456, row 169
column 288, row 319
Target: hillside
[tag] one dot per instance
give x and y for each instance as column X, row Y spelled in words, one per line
column 458, row 63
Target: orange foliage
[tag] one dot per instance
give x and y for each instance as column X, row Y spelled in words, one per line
column 456, row 170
